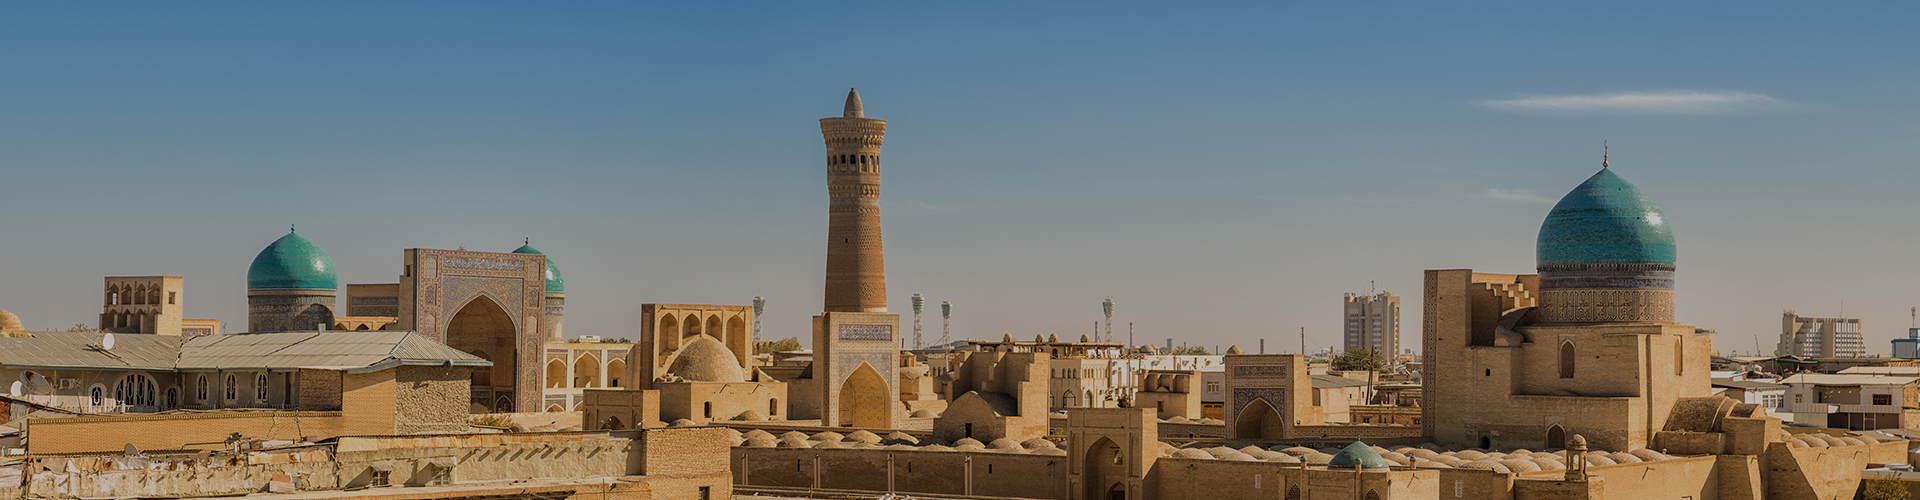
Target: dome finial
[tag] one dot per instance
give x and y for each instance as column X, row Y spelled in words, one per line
column 1603, row 154
column 853, row 104
column 291, row 229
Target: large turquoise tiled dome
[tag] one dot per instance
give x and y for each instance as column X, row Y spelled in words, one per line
column 292, row 262
column 1605, row 222
column 555, row 284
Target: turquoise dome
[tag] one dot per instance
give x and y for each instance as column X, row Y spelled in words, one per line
column 292, row 262
column 1359, row 456
column 1605, row 221
column 555, row 284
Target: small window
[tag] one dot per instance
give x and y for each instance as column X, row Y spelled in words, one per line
column 97, row 397
column 233, row 388
column 172, row 297
column 200, row 389
column 380, row 478
column 1883, row 399
column 706, row 493
column 260, row 387
column 709, row 409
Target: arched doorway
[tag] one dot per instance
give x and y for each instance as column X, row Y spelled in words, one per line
column 1556, row 437
column 668, row 338
column 1106, row 470
column 1258, row 420
column 737, row 329
column 864, row 399
column 616, row 373
column 586, row 371
column 556, row 374
column 484, row 329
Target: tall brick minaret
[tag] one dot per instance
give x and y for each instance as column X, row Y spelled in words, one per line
column 856, row 268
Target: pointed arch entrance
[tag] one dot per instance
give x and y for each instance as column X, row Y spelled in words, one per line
column 484, row 329
column 1106, row 471
column 1258, row 420
column 864, row 401
column 1556, row 437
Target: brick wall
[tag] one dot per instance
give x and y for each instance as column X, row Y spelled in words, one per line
column 681, row 451
column 203, row 431
column 320, row 390
column 369, row 399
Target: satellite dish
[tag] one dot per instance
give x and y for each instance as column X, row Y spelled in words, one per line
column 107, row 342
column 132, row 450
column 17, row 388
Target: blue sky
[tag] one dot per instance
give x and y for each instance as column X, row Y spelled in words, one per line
column 1224, row 171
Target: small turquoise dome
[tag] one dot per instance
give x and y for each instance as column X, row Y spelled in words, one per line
column 1606, row 220
column 292, row 262
column 555, row 283
column 1359, row 456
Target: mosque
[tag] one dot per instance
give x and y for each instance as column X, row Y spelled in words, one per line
column 1575, row 382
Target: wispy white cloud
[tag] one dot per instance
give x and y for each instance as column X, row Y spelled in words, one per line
column 1665, row 102
column 1520, row 195
column 1446, row 170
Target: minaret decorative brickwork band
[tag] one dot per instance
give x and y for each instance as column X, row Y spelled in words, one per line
column 856, row 269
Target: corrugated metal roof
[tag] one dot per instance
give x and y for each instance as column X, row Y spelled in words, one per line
column 1746, row 384
column 1829, row 379
column 76, row 350
column 337, row 350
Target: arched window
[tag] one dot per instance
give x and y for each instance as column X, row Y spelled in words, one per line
column 1293, row 492
column 135, row 390
column 97, row 397
column 1566, row 360
column 200, row 388
column 1069, row 400
column 773, row 407
column 233, row 387
column 173, row 398
column 260, row 387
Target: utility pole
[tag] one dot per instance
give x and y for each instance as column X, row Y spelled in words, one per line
column 1303, row 341
column 1129, row 333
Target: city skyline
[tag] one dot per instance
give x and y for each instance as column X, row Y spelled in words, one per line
column 1223, row 185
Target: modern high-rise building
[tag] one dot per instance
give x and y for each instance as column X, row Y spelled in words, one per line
column 1820, row 337
column 1372, row 323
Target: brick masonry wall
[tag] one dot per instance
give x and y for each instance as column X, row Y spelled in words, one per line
column 320, row 389
column 925, row 472
column 369, row 398
column 175, row 432
column 682, row 451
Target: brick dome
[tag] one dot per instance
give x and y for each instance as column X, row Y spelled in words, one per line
column 8, row 321
column 706, row 360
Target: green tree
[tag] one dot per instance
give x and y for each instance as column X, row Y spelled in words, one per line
column 1125, row 401
column 786, row 344
column 1887, row 490
column 80, row 327
column 1190, row 351
column 1358, row 360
